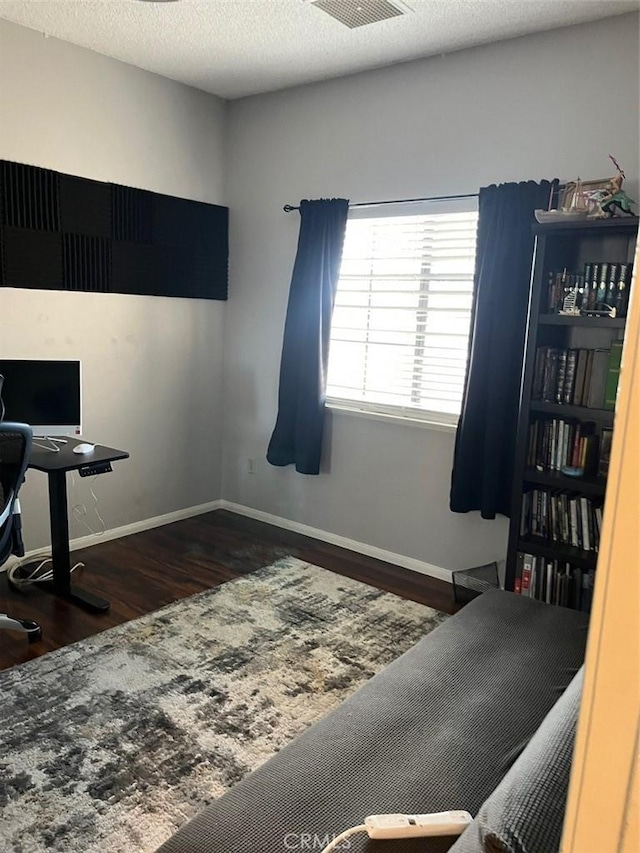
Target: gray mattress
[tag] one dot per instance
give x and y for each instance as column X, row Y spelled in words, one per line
column 436, row 730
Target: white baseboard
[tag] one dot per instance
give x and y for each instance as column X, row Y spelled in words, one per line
column 342, row 541
column 285, row 523
column 128, row 529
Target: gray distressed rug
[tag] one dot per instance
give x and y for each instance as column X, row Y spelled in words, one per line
column 112, row 743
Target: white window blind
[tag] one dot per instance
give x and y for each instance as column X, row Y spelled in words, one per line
column 400, row 328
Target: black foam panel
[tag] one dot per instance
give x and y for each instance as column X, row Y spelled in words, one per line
column 86, row 262
column 60, row 232
column 28, row 197
column 32, row 259
column 85, row 206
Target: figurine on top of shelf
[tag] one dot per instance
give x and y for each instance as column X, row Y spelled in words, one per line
column 615, row 201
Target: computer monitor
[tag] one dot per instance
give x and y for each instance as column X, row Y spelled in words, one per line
column 44, row 394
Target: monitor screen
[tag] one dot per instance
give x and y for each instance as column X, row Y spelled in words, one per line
column 44, row 394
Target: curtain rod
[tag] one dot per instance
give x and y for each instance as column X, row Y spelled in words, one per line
column 289, row 207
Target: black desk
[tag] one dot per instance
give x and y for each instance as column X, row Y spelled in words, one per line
column 56, row 465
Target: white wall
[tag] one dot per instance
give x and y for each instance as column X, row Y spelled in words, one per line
column 152, row 366
column 550, row 105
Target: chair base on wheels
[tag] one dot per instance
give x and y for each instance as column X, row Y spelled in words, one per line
column 25, row 626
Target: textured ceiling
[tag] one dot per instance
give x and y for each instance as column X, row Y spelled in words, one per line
column 234, row 48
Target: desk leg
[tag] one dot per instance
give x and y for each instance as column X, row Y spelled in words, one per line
column 59, row 533
column 60, row 548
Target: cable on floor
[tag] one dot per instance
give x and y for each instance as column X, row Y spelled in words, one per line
column 37, row 575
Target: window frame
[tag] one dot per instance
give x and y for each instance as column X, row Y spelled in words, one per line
column 408, row 415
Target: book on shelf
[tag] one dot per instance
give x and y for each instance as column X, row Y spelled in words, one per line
column 517, row 585
column 605, row 452
column 587, row 378
column 601, row 284
column 598, row 381
column 568, row 385
column 603, row 280
column 622, row 290
column 592, row 274
column 586, row 595
column 587, row 527
column 526, row 574
column 561, row 376
column 558, row 443
column 598, row 517
column 561, row 517
column 538, row 373
column 613, row 375
column 556, row 582
column 578, row 377
column 573, row 523
column 611, row 282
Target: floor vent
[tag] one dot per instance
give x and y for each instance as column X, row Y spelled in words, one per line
column 358, row 13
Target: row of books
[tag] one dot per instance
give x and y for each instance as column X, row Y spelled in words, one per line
column 557, row 443
column 601, row 284
column 561, row 517
column 578, row 377
column 554, row 582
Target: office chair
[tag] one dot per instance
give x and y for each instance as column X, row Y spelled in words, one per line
column 15, row 450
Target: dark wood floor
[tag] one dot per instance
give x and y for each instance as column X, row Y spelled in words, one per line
column 143, row 572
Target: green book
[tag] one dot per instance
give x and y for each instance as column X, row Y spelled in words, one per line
column 613, row 374
column 601, row 293
column 597, row 380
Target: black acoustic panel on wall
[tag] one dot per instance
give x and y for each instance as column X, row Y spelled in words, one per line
column 32, row 259
column 28, row 197
column 176, row 262
column 86, row 262
column 207, row 265
column 63, row 232
column 195, row 268
column 179, row 222
column 134, row 266
column 85, row 206
column 132, row 214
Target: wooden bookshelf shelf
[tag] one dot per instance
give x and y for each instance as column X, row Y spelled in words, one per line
column 591, row 322
column 557, row 551
column 555, row 480
column 585, row 226
column 581, row 413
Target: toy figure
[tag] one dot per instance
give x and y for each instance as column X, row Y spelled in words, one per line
column 615, row 198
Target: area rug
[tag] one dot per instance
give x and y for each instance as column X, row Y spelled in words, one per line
column 114, row 742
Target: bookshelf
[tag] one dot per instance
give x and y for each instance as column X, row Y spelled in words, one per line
column 566, row 416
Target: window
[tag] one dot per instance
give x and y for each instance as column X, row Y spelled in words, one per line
column 400, row 329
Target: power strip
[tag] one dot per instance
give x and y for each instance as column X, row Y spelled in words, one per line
column 390, row 826
column 95, row 468
column 417, row 826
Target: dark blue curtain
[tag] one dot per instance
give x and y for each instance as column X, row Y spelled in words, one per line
column 486, row 437
column 297, row 437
